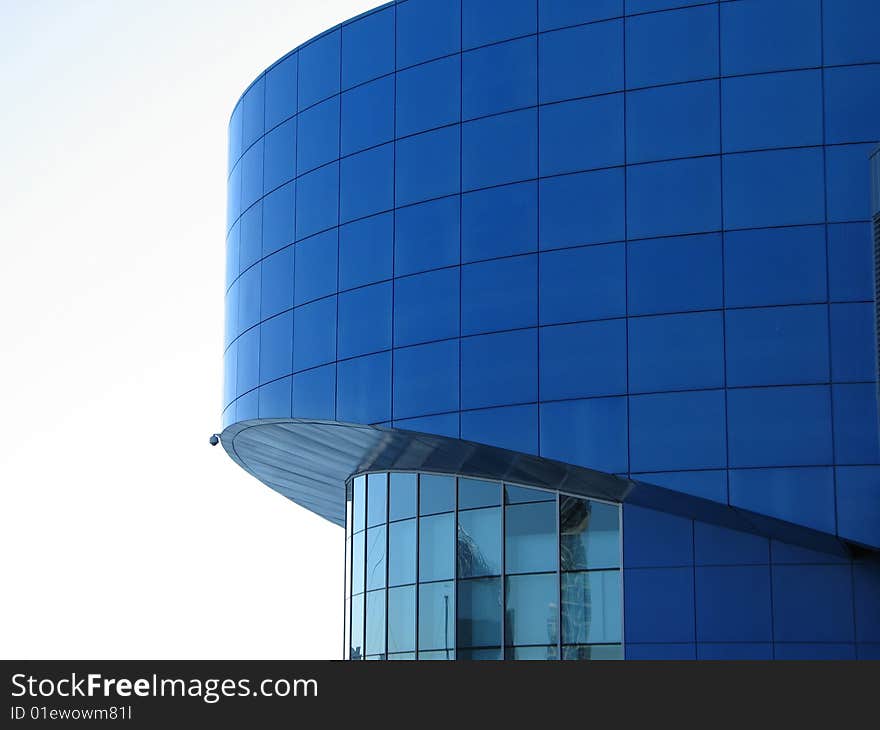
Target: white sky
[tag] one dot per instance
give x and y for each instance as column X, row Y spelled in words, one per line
column 123, row 534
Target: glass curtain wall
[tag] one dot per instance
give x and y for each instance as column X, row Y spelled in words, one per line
column 443, row 567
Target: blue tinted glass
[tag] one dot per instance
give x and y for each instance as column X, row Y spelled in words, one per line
column 377, row 499
column 402, row 496
column 436, row 494
column 233, row 196
column 358, row 555
column 499, row 149
column 659, row 607
column 508, row 427
column 427, row 166
column 368, row 48
column 531, row 605
column 483, row 384
column 426, row 236
column 367, row 183
column 249, row 298
column 582, row 360
column 589, row 433
column 437, row 547
column 251, row 232
column 499, row 295
column 230, row 375
column 589, row 534
column 428, row 96
column 231, row 306
column 235, row 135
column 365, row 251
column 401, row 552
column 530, row 537
column 582, row 134
column 276, row 347
column 315, row 267
column 426, row 307
column 426, row 379
column 274, row 399
column 499, row 221
column 251, row 175
column 584, row 208
column 521, row 495
column 598, row 273
column 654, row 539
column 533, row 653
column 427, row 29
column 499, row 78
column 281, row 90
column 442, row 425
column 479, row 542
column 232, row 253
column 252, row 113
column 479, row 613
column 850, row 268
column 591, row 607
column 319, row 69
column 317, row 200
column 367, row 115
column 733, row 603
column 850, row 31
column 314, row 393
column 849, row 197
column 855, row 424
column 276, row 290
column 858, row 518
column 365, row 320
column 478, row 493
column 402, row 619
column 279, row 164
column 560, row 13
column 581, row 61
column 488, row 21
column 852, row 342
column 248, row 364
column 375, row 633
column 375, row 556
column 247, row 406
column 317, row 135
column 278, row 215
column 314, row 330
column 437, row 619
column 356, row 649
column 359, row 503
column 600, row 652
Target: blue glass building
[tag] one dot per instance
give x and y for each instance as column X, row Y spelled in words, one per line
column 586, row 288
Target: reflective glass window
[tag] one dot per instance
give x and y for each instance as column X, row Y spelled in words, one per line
column 530, row 537
column 436, row 547
column 436, row 494
column 479, row 612
column 401, row 496
column 402, row 619
column 356, row 647
column 519, row 495
column 478, row 493
column 376, row 557
column 437, row 620
column 475, row 655
column 360, row 503
column 589, row 534
column 402, row 552
column 377, row 498
column 534, row 653
column 591, row 607
column 599, row 652
column 531, row 608
column 375, row 633
column 479, row 542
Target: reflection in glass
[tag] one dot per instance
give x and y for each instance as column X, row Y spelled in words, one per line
column 589, row 534
column 357, row 627
column 402, row 619
column 478, row 655
column 377, row 499
column 357, row 562
column 375, row 558
column 479, row 612
column 402, row 495
column 360, row 502
column 517, row 495
column 434, row 656
column 531, row 615
column 436, row 494
column 437, row 547
column 530, row 542
column 591, row 607
column 402, row 656
column 479, row 542
column 599, row 652
column 402, row 553
column 533, row 653
column 375, row 641
column 477, row 493
column 437, row 618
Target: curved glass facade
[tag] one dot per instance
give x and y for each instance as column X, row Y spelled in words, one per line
column 446, row 567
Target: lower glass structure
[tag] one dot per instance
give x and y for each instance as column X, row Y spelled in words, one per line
column 444, row 567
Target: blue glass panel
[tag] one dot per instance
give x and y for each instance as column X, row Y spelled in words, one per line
column 772, row 110
column 319, row 69
column 852, row 342
column 356, row 650
column 499, row 78
column 582, row 134
column 733, row 603
column 248, row 364
column 252, row 113
column 367, row 183
column 674, row 274
column 368, row 48
column 233, row 196
column 665, row 652
column 375, row 556
column 426, row 379
column 597, row 272
column 276, row 347
column 672, row 121
column 364, row 389
column 580, row 61
column 855, row 424
column 427, row 29
column 274, row 399
column 559, row 13
column 252, row 175
column 479, row 541
column 368, row 115
column 591, row 607
column 531, row 605
column 427, row 165
column 233, row 245
column 644, row 6
column 377, row 499
column 677, row 431
column 779, row 426
column 676, row 352
column 716, row 545
column 375, row 631
column 426, row 307
column 826, row 590
column 231, row 321
column 278, row 215
column 402, row 552
column 866, row 589
column 445, row 424
column 782, row 553
column 426, row 236
column 276, row 290
column 850, row 31
column 582, row 360
column 281, row 84
column 770, row 36
column 584, row 208
column 678, row 45
column 659, row 607
column 801, row 652
column 589, row 433
column 801, row 495
column 777, row 345
column 479, row 613
column 279, row 156
column 530, row 537
column 653, row 539
column 709, row 484
column 364, row 320
column 317, row 200
column 600, row 652
column 522, row 495
column 437, row 547
column 739, row 651
column 499, row 295
column 500, row 221
column 251, row 231
column 437, row 620
column 249, row 298
column 850, row 262
column 230, row 375
column 235, row 135
column 848, row 194
column 478, row 493
column 508, row 427
column 777, row 188
column 589, row 534
column 669, row 198
column 365, row 251
column 314, row 393
column 247, row 406
column 774, row 266
column 436, row 493
column 488, row 21
column 499, row 149
column 402, row 619
column 314, row 334
column 402, row 497
column 315, row 267
column 513, row 380
column 429, row 96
